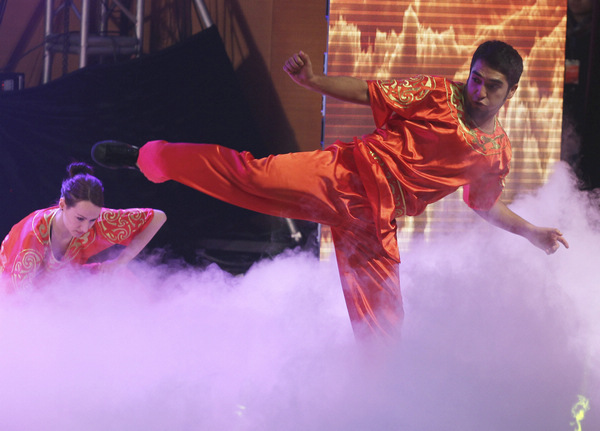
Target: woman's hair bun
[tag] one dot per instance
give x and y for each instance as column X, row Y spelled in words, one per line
column 79, row 168
column 82, row 185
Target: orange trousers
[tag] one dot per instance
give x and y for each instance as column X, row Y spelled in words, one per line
column 320, row 186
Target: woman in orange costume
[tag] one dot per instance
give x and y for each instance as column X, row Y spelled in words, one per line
column 75, row 230
column 433, row 136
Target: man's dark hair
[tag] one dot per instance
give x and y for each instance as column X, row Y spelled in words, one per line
column 502, row 57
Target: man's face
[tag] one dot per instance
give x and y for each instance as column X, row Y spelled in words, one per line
column 487, row 90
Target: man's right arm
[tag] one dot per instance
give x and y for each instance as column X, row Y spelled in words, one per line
column 299, row 68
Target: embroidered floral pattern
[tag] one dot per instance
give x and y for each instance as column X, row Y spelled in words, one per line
column 117, row 226
column 26, row 264
column 408, row 91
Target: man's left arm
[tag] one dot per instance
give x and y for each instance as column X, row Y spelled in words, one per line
column 547, row 239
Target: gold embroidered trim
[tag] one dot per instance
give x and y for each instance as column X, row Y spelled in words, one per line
column 479, row 142
column 41, row 228
column 395, row 187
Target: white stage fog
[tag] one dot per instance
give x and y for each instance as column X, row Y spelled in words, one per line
column 497, row 336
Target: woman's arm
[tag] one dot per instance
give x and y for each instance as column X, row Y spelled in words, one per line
column 138, row 242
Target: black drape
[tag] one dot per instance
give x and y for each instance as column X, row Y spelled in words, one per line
column 590, row 142
column 186, row 93
column 582, row 98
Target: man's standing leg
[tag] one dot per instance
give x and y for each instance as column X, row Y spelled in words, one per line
column 370, row 281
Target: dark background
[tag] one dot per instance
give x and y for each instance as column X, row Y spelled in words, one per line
column 190, row 92
column 185, row 93
column 581, row 119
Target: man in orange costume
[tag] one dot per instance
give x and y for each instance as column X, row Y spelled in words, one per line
column 433, row 136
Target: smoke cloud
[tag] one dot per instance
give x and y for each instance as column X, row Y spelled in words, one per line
column 497, row 336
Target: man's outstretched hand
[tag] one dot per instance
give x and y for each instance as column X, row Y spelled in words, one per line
column 547, row 238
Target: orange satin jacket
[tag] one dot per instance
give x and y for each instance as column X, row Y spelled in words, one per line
column 423, row 148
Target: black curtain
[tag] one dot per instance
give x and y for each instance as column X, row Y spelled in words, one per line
column 590, row 142
column 581, row 119
column 186, row 93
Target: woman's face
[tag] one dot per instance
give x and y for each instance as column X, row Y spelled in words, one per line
column 79, row 218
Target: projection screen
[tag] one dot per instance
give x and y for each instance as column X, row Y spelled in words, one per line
column 381, row 39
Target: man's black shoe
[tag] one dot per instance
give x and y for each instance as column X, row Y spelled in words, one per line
column 115, row 155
